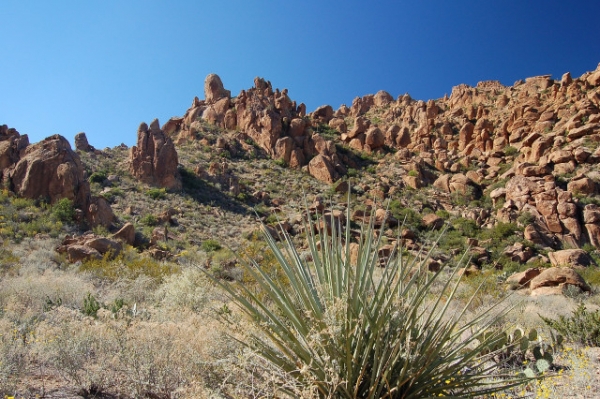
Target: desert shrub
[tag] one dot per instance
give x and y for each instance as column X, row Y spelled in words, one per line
column 90, row 305
column 81, row 353
column 510, row 151
column 149, row 220
column 502, row 230
column 525, row 219
column 410, row 217
column 353, row 330
column 128, row 265
column 210, row 245
column 13, row 355
column 98, row 177
column 156, row 193
column 444, row 214
column 467, row 227
column 582, row 326
column 63, row 210
column 188, row 289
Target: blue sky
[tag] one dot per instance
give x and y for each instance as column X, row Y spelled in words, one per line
column 103, row 67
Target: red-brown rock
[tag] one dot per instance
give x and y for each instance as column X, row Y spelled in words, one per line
column 154, row 159
column 321, row 169
column 557, row 277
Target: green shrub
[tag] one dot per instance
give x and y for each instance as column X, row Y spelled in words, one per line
column 468, row 227
column 348, row 329
column 410, row 217
column 98, row 177
column 444, row 214
column 156, row 193
column 128, row 265
column 280, row 162
column 149, row 220
column 510, row 151
column 211, row 245
column 64, row 211
column 90, row 305
column 525, row 219
column 582, row 326
column 501, row 231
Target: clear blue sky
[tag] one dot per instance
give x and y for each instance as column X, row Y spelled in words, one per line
column 103, row 67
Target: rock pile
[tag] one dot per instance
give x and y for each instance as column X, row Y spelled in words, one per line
column 89, row 246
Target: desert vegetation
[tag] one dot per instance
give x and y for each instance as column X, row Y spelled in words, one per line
column 394, row 248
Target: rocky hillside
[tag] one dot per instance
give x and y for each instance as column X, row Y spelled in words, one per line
column 103, row 253
column 530, row 148
column 513, row 171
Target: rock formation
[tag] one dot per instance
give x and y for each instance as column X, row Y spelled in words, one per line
column 154, row 159
column 270, row 119
column 89, row 246
column 535, row 141
column 12, row 146
column 81, row 143
column 51, row 170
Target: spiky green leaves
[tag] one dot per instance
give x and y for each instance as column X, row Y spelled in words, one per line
column 347, row 327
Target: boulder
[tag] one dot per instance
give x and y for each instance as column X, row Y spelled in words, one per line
column 570, row 258
column 51, row 170
column 433, row 221
column 154, row 159
column 12, row 146
column 126, row 234
column 81, row 143
column 321, row 168
column 104, row 245
column 584, row 185
column 89, row 246
column 214, row 90
column 99, row 212
column 382, row 98
column 594, row 78
column 374, row 138
column 76, row 253
column 522, row 279
column 323, row 114
column 559, row 279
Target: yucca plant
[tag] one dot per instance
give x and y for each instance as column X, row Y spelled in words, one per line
column 343, row 326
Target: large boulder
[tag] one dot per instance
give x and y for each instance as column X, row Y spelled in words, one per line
column 570, row 258
column 214, row 90
column 554, row 280
column 50, row 169
column 321, row 169
column 81, row 143
column 154, row 159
